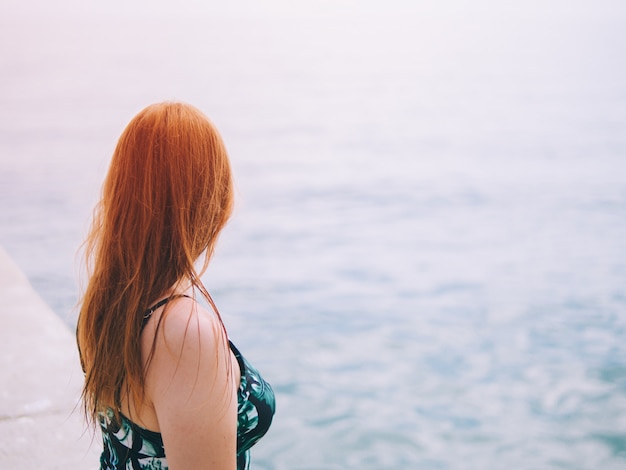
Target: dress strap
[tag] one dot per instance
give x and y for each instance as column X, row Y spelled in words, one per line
column 148, row 313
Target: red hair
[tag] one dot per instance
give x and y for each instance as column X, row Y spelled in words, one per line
column 167, row 195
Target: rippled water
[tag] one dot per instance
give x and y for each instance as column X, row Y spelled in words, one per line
column 428, row 257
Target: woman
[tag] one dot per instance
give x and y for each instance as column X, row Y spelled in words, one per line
column 167, row 387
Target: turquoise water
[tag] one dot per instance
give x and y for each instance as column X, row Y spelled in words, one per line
column 428, row 255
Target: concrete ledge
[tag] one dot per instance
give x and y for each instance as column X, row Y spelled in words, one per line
column 41, row 423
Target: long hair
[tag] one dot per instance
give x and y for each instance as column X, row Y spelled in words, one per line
column 167, row 195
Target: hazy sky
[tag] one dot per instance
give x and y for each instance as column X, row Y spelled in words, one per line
column 164, row 8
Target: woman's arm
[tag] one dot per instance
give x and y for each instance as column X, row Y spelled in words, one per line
column 191, row 383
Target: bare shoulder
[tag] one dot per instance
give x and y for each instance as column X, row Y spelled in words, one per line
column 191, row 384
column 186, row 326
column 187, row 349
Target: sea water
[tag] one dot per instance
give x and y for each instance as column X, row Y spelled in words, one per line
column 428, row 255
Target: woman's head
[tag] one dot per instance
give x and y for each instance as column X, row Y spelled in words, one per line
column 166, row 197
column 168, row 192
